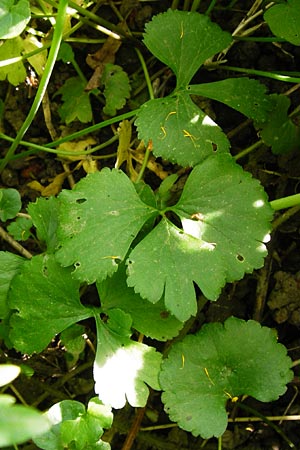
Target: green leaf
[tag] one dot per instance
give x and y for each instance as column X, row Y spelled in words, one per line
column 184, row 41
column 75, row 428
column 221, row 362
column 76, row 101
column 99, row 219
column 151, row 320
column 123, row 367
column 8, row 372
column 10, row 204
column 20, row 228
column 243, row 94
column 44, row 214
column 15, row 73
column 284, row 20
column 117, row 88
column 74, row 343
column 19, row 423
column 65, row 53
column 10, row 265
column 279, row 132
column 14, row 16
column 179, row 130
column 225, row 218
column 47, row 301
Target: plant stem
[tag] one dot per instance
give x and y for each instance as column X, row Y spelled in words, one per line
column 262, row 73
column 195, row 5
column 57, row 37
column 267, row 421
column 211, row 7
column 286, row 202
column 146, row 73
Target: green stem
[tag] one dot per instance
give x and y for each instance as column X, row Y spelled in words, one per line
column 144, row 165
column 262, row 73
column 286, row 202
column 248, row 150
column 92, row 128
column 267, row 421
column 195, row 5
column 211, row 7
column 57, row 37
column 146, row 73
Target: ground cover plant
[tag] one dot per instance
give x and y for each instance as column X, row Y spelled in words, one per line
column 118, row 273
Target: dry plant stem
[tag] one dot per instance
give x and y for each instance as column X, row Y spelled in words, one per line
column 134, row 429
column 14, row 244
column 47, row 116
column 285, row 216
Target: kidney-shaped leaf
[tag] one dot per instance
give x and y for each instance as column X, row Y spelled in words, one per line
column 221, row 362
column 99, row 219
column 225, row 219
column 179, row 130
column 123, row 367
column 184, row 41
column 46, row 298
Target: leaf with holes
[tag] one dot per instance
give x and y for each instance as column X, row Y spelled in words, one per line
column 225, row 221
column 152, row 320
column 46, row 300
column 98, row 221
column 220, row 362
column 178, row 129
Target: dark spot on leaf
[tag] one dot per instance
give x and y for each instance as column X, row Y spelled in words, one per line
column 214, row 147
column 164, row 314
column 189, row 417
column 240, row 258
column 77, row 265
column 78, row 217
column 81, row 200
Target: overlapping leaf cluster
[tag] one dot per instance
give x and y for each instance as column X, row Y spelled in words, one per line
column 145, row 253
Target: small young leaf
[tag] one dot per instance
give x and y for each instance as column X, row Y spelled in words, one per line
column 99, row 219
column 47, row 301
column 284, row 20
column 243, row 94
column 14, row 16
column 10, row 203
column 19, row 423
column 15, row 73
column 20, row 228
column 225, row 218
column 74, row 427
column 117, row 88
column 179, row 130
column 184, row 41
column 279, row 132
column 76, row 101
column 123, row 367
column 151, row 320
column 218, row 363
column 44, row 214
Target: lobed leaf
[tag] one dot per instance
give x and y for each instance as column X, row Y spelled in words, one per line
column 184, row 41
column 15, row 73
column 44, row 215
column 117, row 88
column 46, row 300
column 98, row 221
column 123, row 367
column 225, row 219
column 149, row 319
column 220, row 362
column 10, row 265
column 180, row 131
column 76, row 101
column 243, row 94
